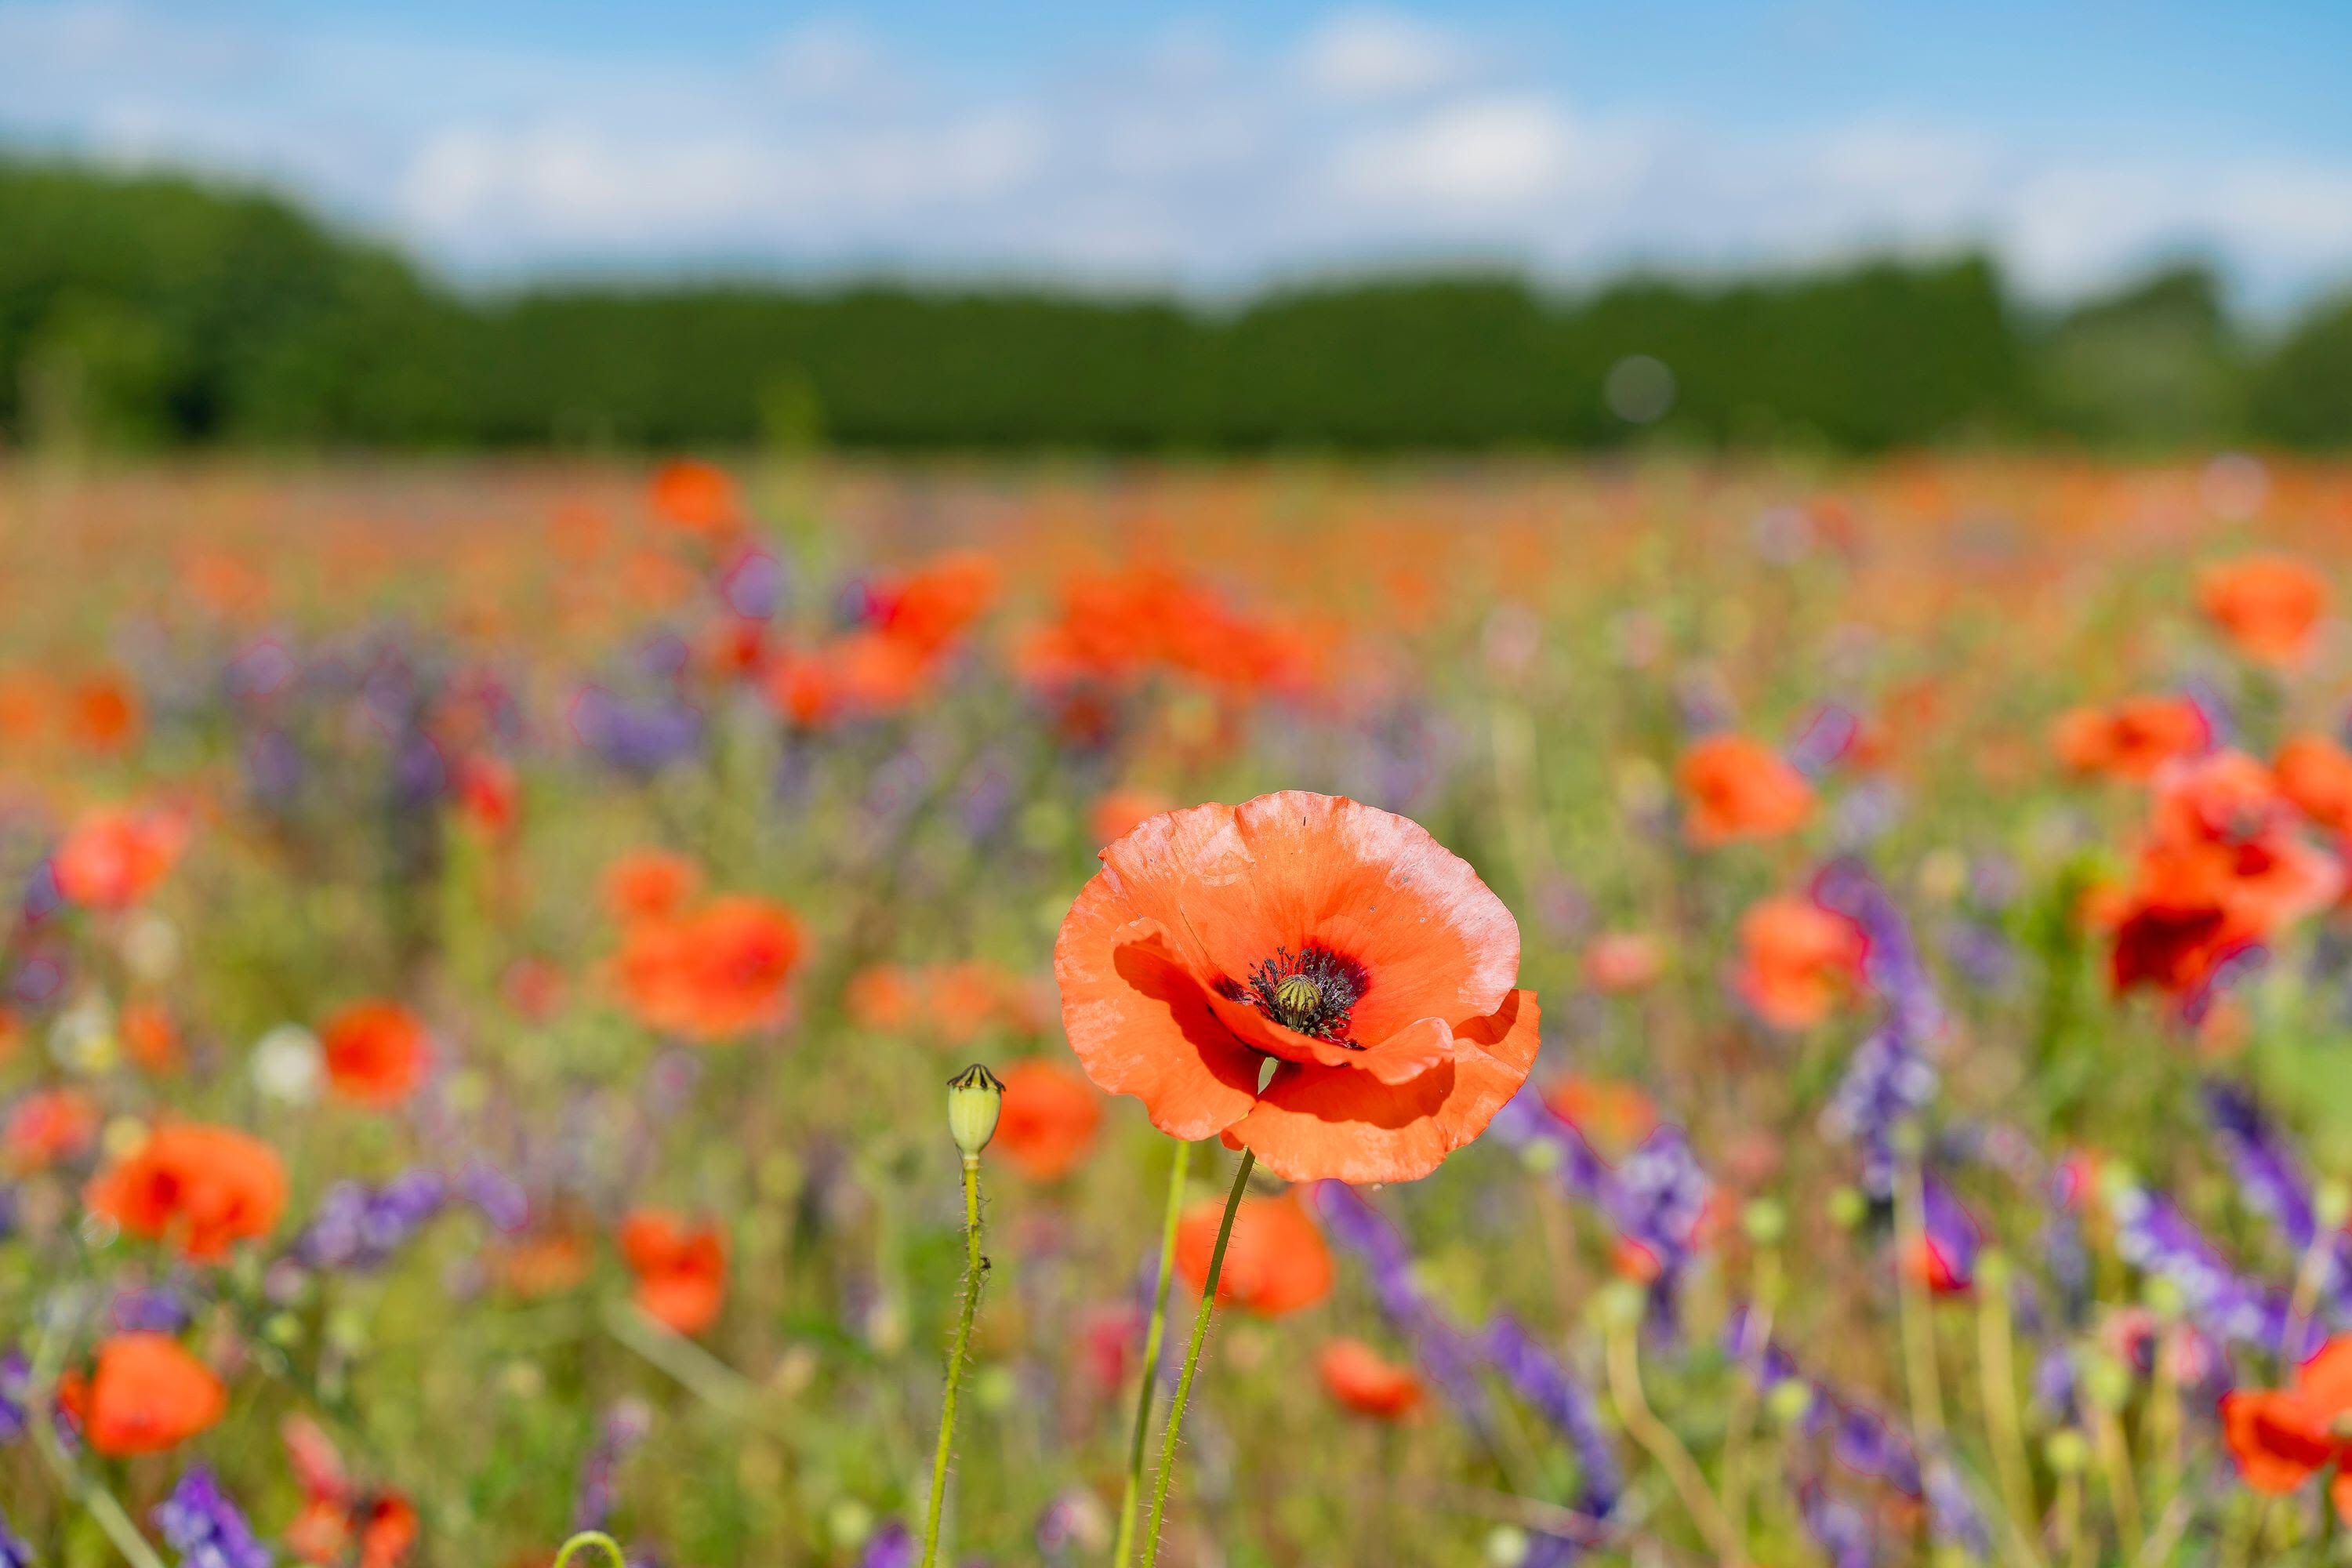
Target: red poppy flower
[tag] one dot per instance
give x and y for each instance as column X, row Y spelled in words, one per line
column 1275, row 1261
column 1796, row 958
column 1739, row 789
column 489, row 795
column 1048, row 1118
column 147, row 1395
column 646, row 884
column 2131, row 739
column 2316, row 774
column 113, row 858
column 681, row 1268
column 1342, row 945
column 2223, row 867
column 2267, row 604
column 335, row 1511
column 1623, row 961
column 694, row 497
column 203, row 1188
column 2283, row 1437
column 714, row 973
column 105, row 714
column 1355, row 1375
column 48, row 1126
column 377, row 1053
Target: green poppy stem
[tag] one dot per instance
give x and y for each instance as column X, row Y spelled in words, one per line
column 1192, row 1358
column 975, row 1267
column 1132, row 1492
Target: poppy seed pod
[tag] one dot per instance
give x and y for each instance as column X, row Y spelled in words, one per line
column 975, row 1096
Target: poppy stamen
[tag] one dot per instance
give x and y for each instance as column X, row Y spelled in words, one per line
column 1311, row 991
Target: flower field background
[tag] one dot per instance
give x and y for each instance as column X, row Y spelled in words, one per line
column 485, row 944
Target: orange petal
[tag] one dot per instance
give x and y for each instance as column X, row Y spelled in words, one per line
column 1141, row 1023
column 1419, row 1047
column 1345, row 1124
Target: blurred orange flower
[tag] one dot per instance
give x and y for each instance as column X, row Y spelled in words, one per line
column 112, row 858
column 2282, row 1438
column 694, row 497
column 147, row 1395
column 2316, row 774
column 1796, row 958
column 377, row 1053
column 2222, row 867
column 1738, row 788
column 47, row 1126
column 681, row 1268
column 1342, row 943
column 2267, row 604
column 1613, row 1115
column 1048, row 1119
column 1355, row 1375
column 2131, row 739
column 715, row 972
column 646, row 884
column 201, row 1188
column 1275, row 1262
column 105, row 713
column 1623, row 961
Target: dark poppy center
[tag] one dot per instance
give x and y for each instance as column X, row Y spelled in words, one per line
column 1311, row 991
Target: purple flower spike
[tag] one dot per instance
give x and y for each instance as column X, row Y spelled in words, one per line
column 204, row 1527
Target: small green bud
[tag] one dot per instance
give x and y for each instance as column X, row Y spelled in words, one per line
column 2163, row 1296
column 975, row 1096
column 2107, row 1381
column 2332, row 1204
column 1993, row 1269
column 1620, row 1304
column 1765, row 1221
column 2067, row 1451
column 1791, row 1401
column 1506, row 1546
column 1847, row 1208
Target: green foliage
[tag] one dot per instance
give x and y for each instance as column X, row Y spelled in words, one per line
column 146, row 309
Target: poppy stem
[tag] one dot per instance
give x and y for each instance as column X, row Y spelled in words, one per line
column 1192, row 1357
column 975, row 1269
column 591, row 1539
column 1132, row 1492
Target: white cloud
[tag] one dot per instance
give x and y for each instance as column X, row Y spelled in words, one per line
column 1180, row 159
column 1479, row 153
column 1368, row 56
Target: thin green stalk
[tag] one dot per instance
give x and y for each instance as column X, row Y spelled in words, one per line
column 1133, row 1490
column 1996, row 1363
column 975, row 1266
column 1192, row 1358
column 1658, row 1440
column 597, row 1539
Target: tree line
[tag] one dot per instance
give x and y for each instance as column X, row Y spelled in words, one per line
column 145, row 310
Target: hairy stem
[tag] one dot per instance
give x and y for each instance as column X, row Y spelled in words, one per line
column 1192, row 1358
column 975, row 1266
column 1132, row 1494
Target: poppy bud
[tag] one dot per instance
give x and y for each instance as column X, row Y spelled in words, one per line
column 974, row 1097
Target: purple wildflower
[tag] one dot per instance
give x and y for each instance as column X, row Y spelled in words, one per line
column 1829, row 733
column 204, row 1528
column 1838, row 1527
column 2272, row 1177
column 2155, row 1238
column 624, row 1426
column 15, row 1395
column 753, row 585
column 892, row 1546
column 359, row 1226
column 641, row 738
column 1549, row 1390
column 158, row 1310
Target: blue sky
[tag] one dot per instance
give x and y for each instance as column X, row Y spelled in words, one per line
column 1214, row 145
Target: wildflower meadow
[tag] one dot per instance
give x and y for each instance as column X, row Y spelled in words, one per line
column 1662, row 1010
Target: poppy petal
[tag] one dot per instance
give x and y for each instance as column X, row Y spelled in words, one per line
column 1346, row 1123
column 1256, row 1031
column 1411, row 1051
column 1141, row 1023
